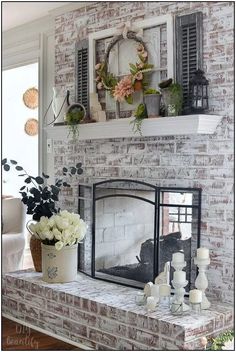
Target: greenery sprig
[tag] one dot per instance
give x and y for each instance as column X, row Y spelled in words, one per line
column 73, row 118
column 140, row 114
column 216, row 344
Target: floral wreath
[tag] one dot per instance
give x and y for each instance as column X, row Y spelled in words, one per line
column 129, row 84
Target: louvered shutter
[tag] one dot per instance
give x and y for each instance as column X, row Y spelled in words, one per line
column 189, row 42
column 82, row 74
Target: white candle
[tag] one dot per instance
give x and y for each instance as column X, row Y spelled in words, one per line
column 151, row 303
column 202, row 253
column 178, row 257
column 147, row 289
column 179, row 277
column 155, row 291
column 195, row 296
column 164, row 290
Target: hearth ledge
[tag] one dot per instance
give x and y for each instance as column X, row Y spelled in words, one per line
column 102, row 315
column 163, row 126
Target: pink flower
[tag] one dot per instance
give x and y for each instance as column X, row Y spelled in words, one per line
column 99, row 85
column 140, row 47
column 123, row 89
column 98, row 66
column 139, row 76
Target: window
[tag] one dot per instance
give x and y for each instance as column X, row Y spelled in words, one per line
column 158, row 36
column 16, row 143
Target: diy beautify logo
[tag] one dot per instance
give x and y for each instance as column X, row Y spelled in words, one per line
column 24, row 339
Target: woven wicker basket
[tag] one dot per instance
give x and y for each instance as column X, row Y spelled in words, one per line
column 36, row 252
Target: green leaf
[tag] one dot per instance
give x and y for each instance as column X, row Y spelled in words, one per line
column 39, row 180
column 141, row 58
column 129, row 99
column 6, row 167
column 21, row 189
column 133, row 68
column 19, row 168
column 147, row 66
column 4, row 161
column 78, row 165
column 13, row 162
column 44, row 175
column 28, row 180
column 73, row 170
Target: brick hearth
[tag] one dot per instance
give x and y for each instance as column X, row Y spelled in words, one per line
column 103, row 316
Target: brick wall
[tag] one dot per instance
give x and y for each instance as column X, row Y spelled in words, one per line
column 104, row 316
column 196, row 161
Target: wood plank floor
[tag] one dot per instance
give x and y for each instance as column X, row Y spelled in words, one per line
column 16, row 337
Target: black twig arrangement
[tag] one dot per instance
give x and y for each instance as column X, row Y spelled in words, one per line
column 40, row 198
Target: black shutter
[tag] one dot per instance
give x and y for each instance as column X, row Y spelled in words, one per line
column 82, row 74
column 189, row 45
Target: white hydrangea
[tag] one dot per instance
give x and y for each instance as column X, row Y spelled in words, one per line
column 64, row 229
column 228, row 346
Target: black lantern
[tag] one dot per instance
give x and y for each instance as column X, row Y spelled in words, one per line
column 198, row 93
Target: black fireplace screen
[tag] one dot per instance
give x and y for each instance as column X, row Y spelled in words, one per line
column 135, row 227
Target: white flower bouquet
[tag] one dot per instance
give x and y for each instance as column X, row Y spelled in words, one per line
column 62, row 229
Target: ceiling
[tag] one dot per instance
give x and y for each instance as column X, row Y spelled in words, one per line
column 17, row 13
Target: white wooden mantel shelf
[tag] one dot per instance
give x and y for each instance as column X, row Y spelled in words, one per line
column 163, row 126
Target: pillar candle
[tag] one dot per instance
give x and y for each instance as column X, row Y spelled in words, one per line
column 178, row 257
column 151, row 303
column 164, row 290
column 195, row 296
column 179, row 277
column 155, row 291
column 147, row 289
column 202, row 253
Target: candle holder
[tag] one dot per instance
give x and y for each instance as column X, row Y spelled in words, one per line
column 201, row 282
column 178, row 266
column 195, row 308
column 178, row 306
column 140, row 299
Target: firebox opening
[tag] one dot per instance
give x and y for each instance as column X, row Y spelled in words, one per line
column 136, row 227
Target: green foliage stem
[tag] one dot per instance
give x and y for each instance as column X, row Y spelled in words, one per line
column 216, row 344
column 140, row 114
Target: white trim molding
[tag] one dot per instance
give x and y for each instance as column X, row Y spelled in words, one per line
column 152, row 127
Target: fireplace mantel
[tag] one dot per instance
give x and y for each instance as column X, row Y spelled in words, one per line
column 163, row 126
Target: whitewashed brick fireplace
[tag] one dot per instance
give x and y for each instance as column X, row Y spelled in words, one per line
column 204, row 161
column 79, row 312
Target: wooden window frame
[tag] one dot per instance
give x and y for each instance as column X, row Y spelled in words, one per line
column 144, row 24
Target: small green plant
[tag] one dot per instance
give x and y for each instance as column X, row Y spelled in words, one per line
column 173, row 98
column 221, row 341
column 74, row 116
column 140, row 114
column 151, row 91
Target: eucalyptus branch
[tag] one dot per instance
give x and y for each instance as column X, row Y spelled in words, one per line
column 41, row 199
